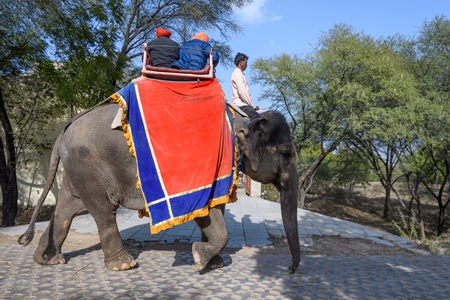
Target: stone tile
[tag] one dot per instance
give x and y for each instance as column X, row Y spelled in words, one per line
column 380, row 241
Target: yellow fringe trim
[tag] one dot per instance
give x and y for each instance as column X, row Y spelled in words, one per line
column 117, row 98
column 232, row 193
column 202, row 212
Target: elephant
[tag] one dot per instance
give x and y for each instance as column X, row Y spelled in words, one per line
column 269, row 156
column 99, row 175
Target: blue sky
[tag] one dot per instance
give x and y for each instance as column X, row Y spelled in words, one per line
column 273, row 27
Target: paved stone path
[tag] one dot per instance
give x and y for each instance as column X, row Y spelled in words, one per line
column 250, row 272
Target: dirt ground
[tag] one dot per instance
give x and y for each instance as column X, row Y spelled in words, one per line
column 368, row 211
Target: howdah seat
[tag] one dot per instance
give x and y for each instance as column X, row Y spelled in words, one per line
column 175, row 74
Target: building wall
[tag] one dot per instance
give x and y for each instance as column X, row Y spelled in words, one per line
column 31, row 171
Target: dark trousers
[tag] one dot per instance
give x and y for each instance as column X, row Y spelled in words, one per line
column 253, row 114
column 250, row 111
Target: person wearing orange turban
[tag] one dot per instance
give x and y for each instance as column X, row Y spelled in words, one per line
column 194, row 54
column 163, row 32
column 201, row 36
column 163, row 51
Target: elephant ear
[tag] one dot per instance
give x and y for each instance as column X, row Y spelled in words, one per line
column 265, row 128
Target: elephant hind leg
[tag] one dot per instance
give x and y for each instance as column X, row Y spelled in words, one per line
column 214, row 229
column 116, row 256
column 67, row 207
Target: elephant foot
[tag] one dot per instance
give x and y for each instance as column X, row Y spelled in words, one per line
column 202, row 257
column 124, row 262
column 48, row 256
column 55, row 260
column 215, row 263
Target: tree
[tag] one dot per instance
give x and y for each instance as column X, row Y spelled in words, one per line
column 8, row 167
column 182, row 17
column 376, row 88
column 429, row 61
column 351, row 88
column 340, row 171
column 20, row 46
column 83, row 38
column 348, row 170
column 99, row 44
column 83, row 51
column 294, row 86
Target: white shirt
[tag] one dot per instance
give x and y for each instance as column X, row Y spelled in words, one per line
column 240, row 93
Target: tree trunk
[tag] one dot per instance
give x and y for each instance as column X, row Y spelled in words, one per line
column 3, row 176
column 420, row 219
column 301, row 201
column 387, row 201
column 441, row 220
column 8, row 170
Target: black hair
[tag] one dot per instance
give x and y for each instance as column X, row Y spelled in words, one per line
column 239, row 57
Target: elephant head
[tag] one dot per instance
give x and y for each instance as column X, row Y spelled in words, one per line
column 269, row 156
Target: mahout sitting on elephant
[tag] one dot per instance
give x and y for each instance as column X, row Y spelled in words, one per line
column 100, row 175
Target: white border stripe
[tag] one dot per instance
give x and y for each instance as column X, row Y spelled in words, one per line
column 166, row 197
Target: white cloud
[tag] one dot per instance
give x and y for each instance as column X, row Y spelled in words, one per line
column 255, row 13
column 275, row 18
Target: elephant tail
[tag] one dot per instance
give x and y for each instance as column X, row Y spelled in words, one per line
column 27, row 237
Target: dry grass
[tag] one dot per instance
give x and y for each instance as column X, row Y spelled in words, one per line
column 365, row 206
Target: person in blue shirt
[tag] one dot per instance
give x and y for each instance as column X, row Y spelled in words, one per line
column 194, row 54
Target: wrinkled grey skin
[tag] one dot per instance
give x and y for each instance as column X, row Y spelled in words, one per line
column 99, row 175
column 270, row 157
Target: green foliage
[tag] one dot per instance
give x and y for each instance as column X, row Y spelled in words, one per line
column 428, row 60
column 369, row 81
column 352, row 88
column 96, row 43
column 439, row 244
column 342, row 169
column 406, row 228
column 21, row 42
column 83, row 36
column 349, row 170
column 270, row 192
column 33, row 110
column 183, row 18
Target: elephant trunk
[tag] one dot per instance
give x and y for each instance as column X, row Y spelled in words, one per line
column 289, row 199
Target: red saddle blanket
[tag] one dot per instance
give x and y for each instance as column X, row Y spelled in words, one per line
column 182, row 135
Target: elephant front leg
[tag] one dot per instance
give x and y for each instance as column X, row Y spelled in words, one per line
column 217, row 261
column 214, row 239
